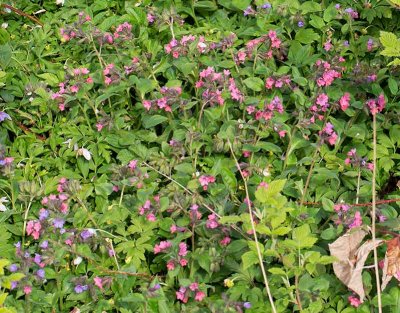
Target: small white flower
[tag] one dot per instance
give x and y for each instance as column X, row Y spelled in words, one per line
column 2, row 206
column 266, row 172
column 77, row 260
column 4, row 25
column 60, row 2
column 85, row 153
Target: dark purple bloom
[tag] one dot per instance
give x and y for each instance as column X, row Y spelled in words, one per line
column 13, row 267
column 44, row 244
column 4, row 116
column 87, row 233
column 80, row 288
column 58, row 223
column 300, row 24
column 266, row 6
column 40, row 273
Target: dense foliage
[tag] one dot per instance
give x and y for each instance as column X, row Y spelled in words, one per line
column 198, row 156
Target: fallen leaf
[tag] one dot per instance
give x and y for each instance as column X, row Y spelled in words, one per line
column 391, row 265
column 351, row 259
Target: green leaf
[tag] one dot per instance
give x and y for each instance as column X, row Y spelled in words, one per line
column 303, row 237
column 3, row 263
column 5, row 55
column 249, row 258
column 310, row 6
column 254, row 83
column 153, row 120
column 330, row 13
column 241, row 4
column 306, row 36
column 317, row 22
column 50, row 79
column 393, row 86
column 327, row 205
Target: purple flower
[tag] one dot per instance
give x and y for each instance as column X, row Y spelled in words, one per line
column 247, row 305
column 43, row 214
column 80, row 288
column 58, row 223
column 40, row 273
column 13, row 267
column 4, row 116
column 248, row 11
column 14, row 285
column 37, row 259
column 300, row 24
column 44, row 244
column 87, row 233
column 266, row 6
column 346, row 43
column 337, row 6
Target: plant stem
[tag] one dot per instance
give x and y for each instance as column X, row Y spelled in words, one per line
column 378, row 284
column 260, row 257
column 25, row 220
column 358, row 184
column 303, row 196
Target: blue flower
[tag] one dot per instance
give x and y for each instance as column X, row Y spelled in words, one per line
column 4, row 116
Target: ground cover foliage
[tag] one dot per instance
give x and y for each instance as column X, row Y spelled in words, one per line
column 199, row 156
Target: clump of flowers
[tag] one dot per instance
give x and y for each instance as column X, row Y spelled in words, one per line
column 328, row 134
column 376, row 105
column 355, row 160
column 278, row 82
column 205, row 180
column 170, row 96
column 184, row 293
column 328, row 72
column 270, row 108
column 149, row 210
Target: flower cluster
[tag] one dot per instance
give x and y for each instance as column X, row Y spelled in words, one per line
column 278, row 82
column 328, row 134
column 262, row 9
column 184, row 293
column 205, row 180
column 178, row 48
column 376, row 105
column 356, row 160
column 270, row 108
column 327, row 72
column 149, row 210
column 170, row 96
column 74, row 81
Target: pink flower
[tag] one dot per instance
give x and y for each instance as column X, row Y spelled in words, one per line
column 205, row 180
column 27, row 289
column 147, row 104
column 194, row 286
column 133, row 164
column 269, row 83
column 225, row 241
column 183, row 262
column 327, row 45
column 282, row 133
column 354, row 301
column 212, row 221
column 344, row 101
column 98, row 282
column 171, row 265
column 357, row 222
column 151, row 217
column 322, row 100
column 99, row 127
column 262, row 185
column 182, row 249
column 33, row 228
column 200, row 295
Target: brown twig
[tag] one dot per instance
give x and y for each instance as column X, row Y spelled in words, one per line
column 22, row 13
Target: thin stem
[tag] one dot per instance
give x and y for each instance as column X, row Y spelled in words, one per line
column 378, row 284
column 26, row 219
column 358, row 184
column 22, row 13
column 260, row 257
column 303, row 196
column 122, row 194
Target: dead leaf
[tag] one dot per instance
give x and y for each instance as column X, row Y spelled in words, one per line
column 391, row 265
column 351, row 259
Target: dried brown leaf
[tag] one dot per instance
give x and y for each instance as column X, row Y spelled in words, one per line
column 351, row 259
column 391, row 266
